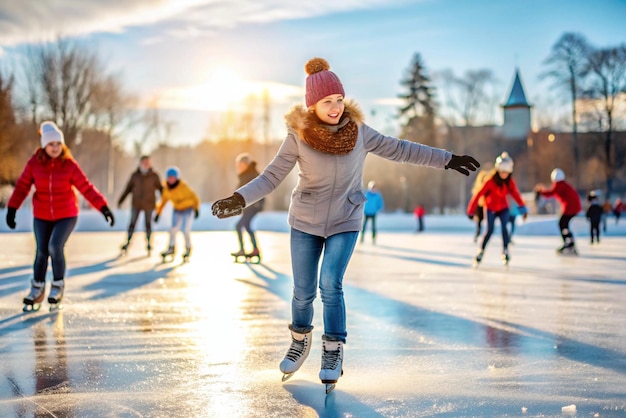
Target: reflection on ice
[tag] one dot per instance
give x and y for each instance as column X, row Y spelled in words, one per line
column 427, row 334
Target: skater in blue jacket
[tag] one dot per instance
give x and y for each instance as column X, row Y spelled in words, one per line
column 373, row 205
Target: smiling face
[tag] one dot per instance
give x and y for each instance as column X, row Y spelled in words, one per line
column 504, row 174
column 330, row 108
column 54, row 149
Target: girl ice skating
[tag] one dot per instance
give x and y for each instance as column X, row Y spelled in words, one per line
column 328, row 141
column 495, row 191
column 54, row 173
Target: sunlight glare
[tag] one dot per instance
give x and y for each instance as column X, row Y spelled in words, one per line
column 225, row 90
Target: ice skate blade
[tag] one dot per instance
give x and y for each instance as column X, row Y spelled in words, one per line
column 329, row 387
column 287, row 376
column 31, row 307
column 56, row 307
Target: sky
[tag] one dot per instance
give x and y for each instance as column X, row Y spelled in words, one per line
column 201, row 56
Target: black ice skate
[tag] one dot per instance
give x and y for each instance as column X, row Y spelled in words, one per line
column 168, row 254
column 32, row 302
column 254, row 256
column 567, row 249
column 298, row 352
column 56, row 295
column 186, row 255
column 332, row 363
column 505, row 257
column 237, row 254
column 478, row 258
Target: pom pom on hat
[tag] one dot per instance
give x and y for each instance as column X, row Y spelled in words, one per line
column 172, row 172
column 321, row 82
column 50, row 132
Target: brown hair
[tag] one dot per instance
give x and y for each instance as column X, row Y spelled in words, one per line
column 42, row 155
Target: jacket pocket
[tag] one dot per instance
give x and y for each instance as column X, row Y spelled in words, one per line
column 357, row 198
column 303, row 206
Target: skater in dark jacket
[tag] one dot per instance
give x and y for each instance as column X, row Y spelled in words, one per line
column 55, row 175
column 594, row 214
column 495, row 191
column 328, row 141
column 246, row 171
column 143, row 184
column 570, row 206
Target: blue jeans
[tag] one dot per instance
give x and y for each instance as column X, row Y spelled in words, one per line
column 51, row 237
column 181, row 220
column 491, row 219
column 306, row 251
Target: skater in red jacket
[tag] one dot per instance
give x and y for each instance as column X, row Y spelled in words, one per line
column 495, row 190
column 55, row 174
column 570, row 206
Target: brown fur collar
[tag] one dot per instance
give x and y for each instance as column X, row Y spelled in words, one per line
column 331, row 139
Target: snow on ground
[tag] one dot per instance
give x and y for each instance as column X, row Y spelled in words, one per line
column 428, row 334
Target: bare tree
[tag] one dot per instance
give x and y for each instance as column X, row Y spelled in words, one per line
column 468, row 96
column 8, row 141
column 606, row 82
column 566, row 63
column 61, row 78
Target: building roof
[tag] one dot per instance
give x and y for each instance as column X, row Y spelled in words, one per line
column 517, row 96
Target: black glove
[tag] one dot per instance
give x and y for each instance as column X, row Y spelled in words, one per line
column 231, row 206
column 11, row 217
column 471, row 217
column 196, row 214
column 156, row 218
column 462, row 164
column 107, row 215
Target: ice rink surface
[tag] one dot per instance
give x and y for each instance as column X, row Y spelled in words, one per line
column 428, row 335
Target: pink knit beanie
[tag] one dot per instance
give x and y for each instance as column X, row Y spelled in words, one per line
column 320, row 81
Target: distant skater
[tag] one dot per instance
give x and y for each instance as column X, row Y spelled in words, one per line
column 143, row 185
column 419, row 213
column 56, row 176
column 479, row 214
column 246, row 171
column 618, row 209
column 373, row 205
column 594, row 215
column 494, row 191
column 328, row 141
column 186, row 205
column 570, row 206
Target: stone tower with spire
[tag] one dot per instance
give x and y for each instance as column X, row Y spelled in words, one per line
column 516, row 113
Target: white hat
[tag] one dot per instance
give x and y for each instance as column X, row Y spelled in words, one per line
column 50, row 132
column 557, row 175
column 504, row 163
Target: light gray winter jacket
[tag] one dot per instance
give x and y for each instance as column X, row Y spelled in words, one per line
column 328, row 197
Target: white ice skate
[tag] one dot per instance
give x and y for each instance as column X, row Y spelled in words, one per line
column 298, row 352
column 332, row 363
column 32, row 302
column 56, row 295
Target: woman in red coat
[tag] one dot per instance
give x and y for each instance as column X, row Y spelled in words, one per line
column 494, row 191
column 570, row 206
column 55, row 175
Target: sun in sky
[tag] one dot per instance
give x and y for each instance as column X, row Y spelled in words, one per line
column 224, row 90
